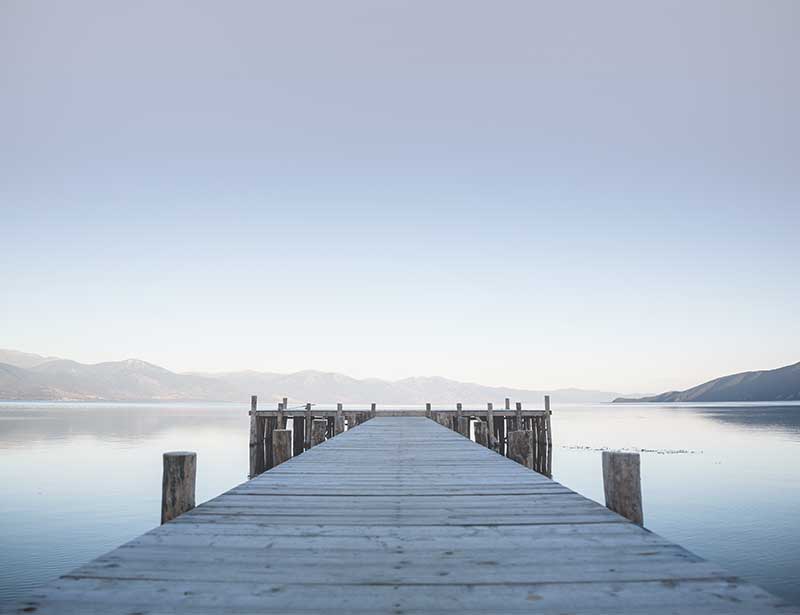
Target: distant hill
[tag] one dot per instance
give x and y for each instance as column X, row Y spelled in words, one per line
column 22, row 359
column 782, row 384
column 31, row 377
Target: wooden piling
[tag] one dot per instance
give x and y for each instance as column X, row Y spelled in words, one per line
column 318, row 431
column 281, row 419
column 257, row 462
column 519, row 447
column 177, row 484
column 309, row 418
column 481, row 433
column 270, row 424
column 490, row 425
column 462, row 426
column 281, row 446
column 500, row 429
column 338, row 424
column 373, row 409
column 298, row 434
column 622, row 484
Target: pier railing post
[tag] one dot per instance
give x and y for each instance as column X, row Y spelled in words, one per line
column 281, row 446
column 308, row 420
column 318, row 428
column 491, row 426
column 298, row 434
column 622, row 484
column 338, row 424
column 178, row 484
column 481, row 433
column 281, row 418
column 519, row 447
column 257, row 461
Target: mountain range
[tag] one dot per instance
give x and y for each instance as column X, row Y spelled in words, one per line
column 781, row 384
column 25, row 376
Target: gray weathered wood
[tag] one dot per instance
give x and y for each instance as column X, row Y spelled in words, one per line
column 281, row 446
column 318, row 429
column 519, row 447
column 481, row 433
column 462, row 426
column 298, row 434
column 281, row 418
column 308, row 424
column 177, row 484
column 490, row 425
column 338, row 421
column 622, row 485
column 256, row 440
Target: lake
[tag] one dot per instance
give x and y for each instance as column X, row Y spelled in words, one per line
column 723, row 480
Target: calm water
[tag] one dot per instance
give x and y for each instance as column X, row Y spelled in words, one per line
column 79, row 479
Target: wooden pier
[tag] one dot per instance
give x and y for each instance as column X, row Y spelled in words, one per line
column 400, row 515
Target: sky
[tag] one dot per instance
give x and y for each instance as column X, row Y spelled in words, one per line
column 516, row 193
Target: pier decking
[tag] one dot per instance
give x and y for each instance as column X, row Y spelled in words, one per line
column 400, row 515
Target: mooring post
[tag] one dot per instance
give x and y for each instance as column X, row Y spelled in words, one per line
column 338, row 424
column 462, row 425
column 519, row 447
column 622, row 484
column 373, row 409
column 456, row 420
column 298, row 434
column 280, row 416
column 481, row 433
column 177, row 484
column 257, row 461
column 518, row 414
column 490, row 425
column 283, row 418
column 281, row 446
column 309, row 418
column 270, row 423
column 318, row 431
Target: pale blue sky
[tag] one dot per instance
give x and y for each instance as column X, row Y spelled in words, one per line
column 515, row 193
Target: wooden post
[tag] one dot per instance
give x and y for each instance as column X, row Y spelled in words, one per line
column 177, row 484
column 285, row 408
column 500, row 429
column 257, row 461
column 490, row 425
column 428, row 412
column 519, row 447
column 462, row 426
column 481, row 433
column 622, row 484
column 547, row 403
column 281, row 446
column 518, row 412
column 373, row 409
column 270, row 423
column 508, row 404
column 298, row 434
column 281, row 422
column 318, row 431
column 308, row 420
column 338, row 425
